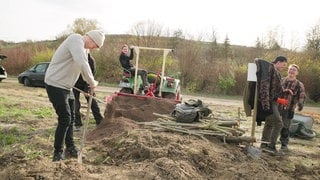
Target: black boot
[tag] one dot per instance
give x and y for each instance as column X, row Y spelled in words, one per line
column 270, row 149
column 263, row 145
column 58, row 155
column 71, row 152
column 284, row 147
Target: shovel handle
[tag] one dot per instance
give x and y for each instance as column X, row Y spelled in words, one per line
column 85, row 130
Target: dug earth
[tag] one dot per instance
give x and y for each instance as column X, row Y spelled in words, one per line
column 122, row 147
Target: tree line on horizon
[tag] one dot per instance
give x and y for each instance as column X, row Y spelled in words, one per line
column 206, row 67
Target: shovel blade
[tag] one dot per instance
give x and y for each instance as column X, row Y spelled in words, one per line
column 253, row 152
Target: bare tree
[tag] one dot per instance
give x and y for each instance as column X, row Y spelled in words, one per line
column 213, row 47
column 273, row 39
column 147, row 33
column 227, row 52
column 313, row 42
column 176, row 37
column 82, row 25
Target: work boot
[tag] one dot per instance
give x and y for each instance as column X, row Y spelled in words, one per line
column 77, row 128
column 71, row 152
column 271, row 149
column 263, row 145
column 57, row 156
column 284, row 147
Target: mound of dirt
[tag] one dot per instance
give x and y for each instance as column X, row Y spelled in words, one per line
column 138, row 108
column 121, row 148
column 122, row 112
column 126, row 150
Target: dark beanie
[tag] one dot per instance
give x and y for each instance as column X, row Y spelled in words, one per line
column 280, row 58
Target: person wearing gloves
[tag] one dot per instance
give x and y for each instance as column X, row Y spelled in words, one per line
column 269, row 92
column 127, row 66
column 294, row 92
column 68, row 62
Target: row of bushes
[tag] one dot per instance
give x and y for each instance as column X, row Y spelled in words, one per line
column 200, row 66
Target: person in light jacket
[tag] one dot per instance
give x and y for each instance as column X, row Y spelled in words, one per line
column 68, row 62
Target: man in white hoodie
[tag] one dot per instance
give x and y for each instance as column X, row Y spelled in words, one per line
column 69, row 61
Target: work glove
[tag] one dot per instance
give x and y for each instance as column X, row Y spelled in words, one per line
column 300, row 106
column 266, row 110
column 282, row 101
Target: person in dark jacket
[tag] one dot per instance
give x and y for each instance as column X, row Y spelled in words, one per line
column 84, row 86
column 125, row 59
column 269, row 91
column 294, row 92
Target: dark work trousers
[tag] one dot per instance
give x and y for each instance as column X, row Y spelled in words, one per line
column 285, row 133
column 94, row 108
column 142, row 73
column 272, row 126
column 63, row 103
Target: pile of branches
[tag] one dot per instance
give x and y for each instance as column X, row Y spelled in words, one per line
column 225, row 129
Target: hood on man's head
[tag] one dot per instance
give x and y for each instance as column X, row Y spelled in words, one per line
column 97, row 36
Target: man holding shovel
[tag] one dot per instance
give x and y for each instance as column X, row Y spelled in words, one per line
column 69, row 60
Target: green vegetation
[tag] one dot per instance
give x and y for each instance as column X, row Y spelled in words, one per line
column 42, row 112
column 10, row 136
column 17, row 111
column 202, row 66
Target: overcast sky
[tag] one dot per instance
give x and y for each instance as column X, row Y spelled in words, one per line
column 242, row 20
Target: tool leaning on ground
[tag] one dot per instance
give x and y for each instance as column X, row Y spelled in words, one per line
column 91, row 96
column 85, row 124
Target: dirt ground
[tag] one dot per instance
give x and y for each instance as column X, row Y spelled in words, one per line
column 121, row 148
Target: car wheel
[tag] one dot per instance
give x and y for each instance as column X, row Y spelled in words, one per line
column 26, row 82
column 306, row 133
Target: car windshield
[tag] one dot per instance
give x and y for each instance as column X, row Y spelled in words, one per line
column 41, row 68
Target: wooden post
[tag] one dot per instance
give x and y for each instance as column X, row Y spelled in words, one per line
column 252, row 76
column 254, row 118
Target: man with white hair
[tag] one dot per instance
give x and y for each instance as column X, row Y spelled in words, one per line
column 68, row 62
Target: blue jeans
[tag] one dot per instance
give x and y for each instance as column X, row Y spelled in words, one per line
column 63, row 103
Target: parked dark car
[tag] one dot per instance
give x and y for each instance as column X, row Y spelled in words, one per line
column 34, row 76
column 3, row 73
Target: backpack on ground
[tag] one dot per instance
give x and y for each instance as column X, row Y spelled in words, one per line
column 190, row 111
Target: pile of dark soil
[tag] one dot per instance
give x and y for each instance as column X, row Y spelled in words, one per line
column 123, row 111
